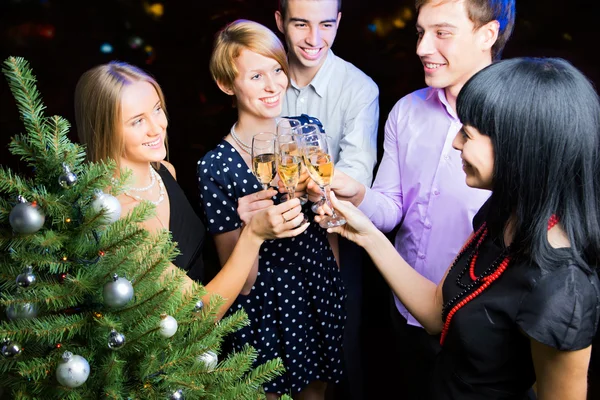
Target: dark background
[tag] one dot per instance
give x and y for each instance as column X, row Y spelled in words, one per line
column 62, row 39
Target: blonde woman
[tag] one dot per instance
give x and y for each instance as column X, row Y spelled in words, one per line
column 120, row 114
column 296, row 300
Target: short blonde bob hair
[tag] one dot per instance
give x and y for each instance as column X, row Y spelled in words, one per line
column 243, row 35
column 98, row 107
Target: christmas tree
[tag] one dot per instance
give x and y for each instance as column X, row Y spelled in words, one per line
column 90, row 312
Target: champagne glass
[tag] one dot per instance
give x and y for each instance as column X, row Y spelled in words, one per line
column 289, row 162
column 290, row 126
column 287, row 126
column 309, row 129
column 319, row 162
column 263, row 158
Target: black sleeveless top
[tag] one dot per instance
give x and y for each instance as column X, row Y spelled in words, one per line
column 186, row 228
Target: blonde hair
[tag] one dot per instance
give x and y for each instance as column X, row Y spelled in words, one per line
column 98, row 107
column 243, row 35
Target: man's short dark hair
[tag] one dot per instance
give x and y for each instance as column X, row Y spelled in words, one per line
column 283, row 7
column 481, row 12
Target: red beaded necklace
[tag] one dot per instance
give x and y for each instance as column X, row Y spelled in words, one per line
column 483, row 281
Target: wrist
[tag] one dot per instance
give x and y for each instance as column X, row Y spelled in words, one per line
column 251, row 235
column 372, row 241
column 360, row 194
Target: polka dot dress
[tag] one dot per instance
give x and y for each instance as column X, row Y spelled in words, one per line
column 296, row 306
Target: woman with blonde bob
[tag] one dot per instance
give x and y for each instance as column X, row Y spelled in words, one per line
column 120, row 114
column 295, row 299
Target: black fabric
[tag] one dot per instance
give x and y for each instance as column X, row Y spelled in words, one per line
column 352, row 386
column 296, row 306
column 186, row 228
column 487, row 352
column 415, row 353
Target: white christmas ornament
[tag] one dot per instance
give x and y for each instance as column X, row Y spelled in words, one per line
column 177, row 395
column 73, row 370
column 210, row 359
column 107, row 204
column 118, row 292
column 168, row 325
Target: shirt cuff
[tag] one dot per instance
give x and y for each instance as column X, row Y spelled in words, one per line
column 368, row 205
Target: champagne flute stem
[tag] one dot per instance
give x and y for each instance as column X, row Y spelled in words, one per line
column 325, row 189
column 291, row 192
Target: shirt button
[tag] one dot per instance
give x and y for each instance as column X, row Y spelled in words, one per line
column 421, row 256
column 302, row 100
column 427, row 225
column 436, row 192
column 446, row 157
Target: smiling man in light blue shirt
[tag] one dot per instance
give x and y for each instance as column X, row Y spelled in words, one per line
column 323, row 85
column 346, row 101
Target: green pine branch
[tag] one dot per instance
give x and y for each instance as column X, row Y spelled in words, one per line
column 75, row 242
column 22, row 84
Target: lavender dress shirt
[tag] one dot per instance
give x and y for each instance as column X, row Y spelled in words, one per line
column 421, row 185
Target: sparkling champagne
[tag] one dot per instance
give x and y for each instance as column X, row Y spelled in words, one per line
column 264, row 167
column 289, row 170
column 319, row 165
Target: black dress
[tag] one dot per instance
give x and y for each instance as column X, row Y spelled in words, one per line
column 296, row 306
column 487, row 354
column 186, row 228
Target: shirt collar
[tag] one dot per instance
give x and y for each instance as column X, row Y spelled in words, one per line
column 441, row 96
column 319, row 82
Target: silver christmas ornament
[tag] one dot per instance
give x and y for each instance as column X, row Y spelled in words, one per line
column 177, row 395
column 26, row 217
column 68, row 178
column 108, row 205
column 118, row 292
column 168, row 326
column 11, row 349
column 199, row 305
column 73, row 370
column 21, row 311
column 210, row 359
column 26, row 278
column 116, row 340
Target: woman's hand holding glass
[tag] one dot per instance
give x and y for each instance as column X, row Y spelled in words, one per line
column 319, row 162
column 280, row 221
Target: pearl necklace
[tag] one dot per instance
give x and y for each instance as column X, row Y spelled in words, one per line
column 114, row 181
column 150, row 186
column 243, row 146
column 161, row 187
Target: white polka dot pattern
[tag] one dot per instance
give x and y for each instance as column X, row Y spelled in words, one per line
column 296, row 307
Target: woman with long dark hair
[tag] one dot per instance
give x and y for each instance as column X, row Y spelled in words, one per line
column 520, row 303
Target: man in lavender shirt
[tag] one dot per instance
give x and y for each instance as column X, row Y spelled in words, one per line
column 421, row 184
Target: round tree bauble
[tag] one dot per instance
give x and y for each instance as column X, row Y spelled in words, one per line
column 118, row 292
column 73, row 370
column 108, row 205
column 26, row 217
